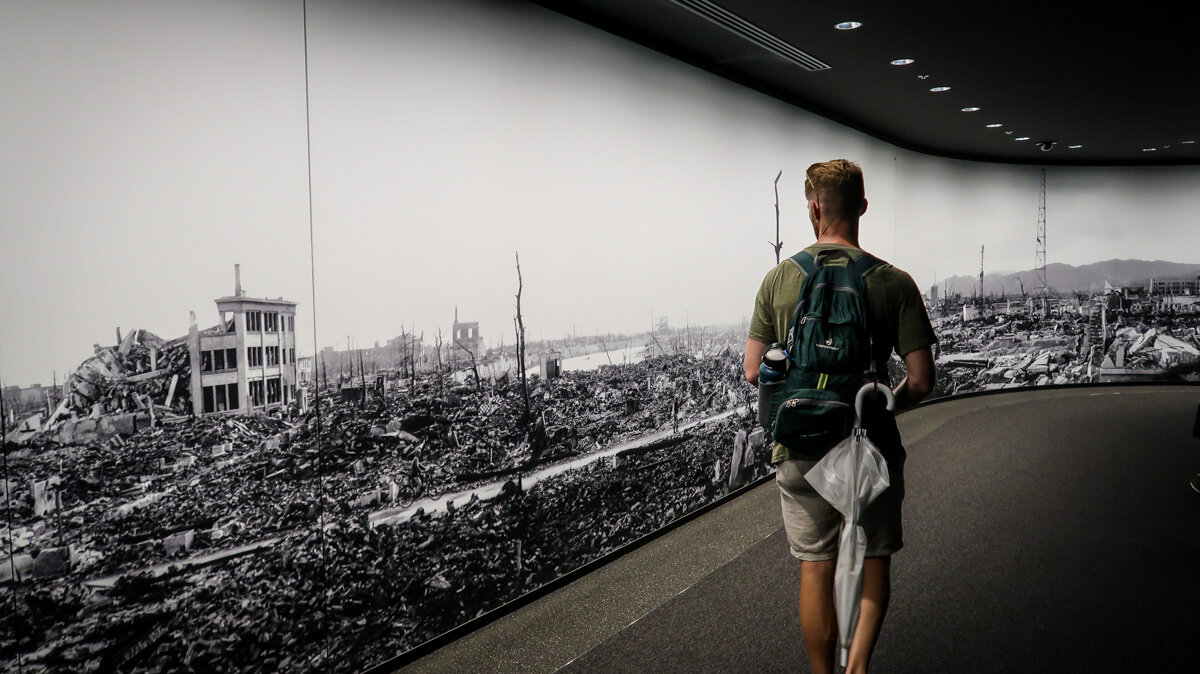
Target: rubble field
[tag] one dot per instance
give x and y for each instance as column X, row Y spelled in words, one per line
column 1007, row 351
column 141, row 538
column 222, row 543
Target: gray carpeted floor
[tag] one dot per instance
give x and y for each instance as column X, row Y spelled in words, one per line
column 1043, row 533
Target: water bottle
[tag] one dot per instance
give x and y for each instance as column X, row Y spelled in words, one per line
column 771, row 376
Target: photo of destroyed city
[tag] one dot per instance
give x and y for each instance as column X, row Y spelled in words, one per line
column 243, row 435
column 327, row 513
column 1112, row 321
column 331, row 511
column 331, row 328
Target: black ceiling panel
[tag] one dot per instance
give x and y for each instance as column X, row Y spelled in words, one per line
column 1122, row 84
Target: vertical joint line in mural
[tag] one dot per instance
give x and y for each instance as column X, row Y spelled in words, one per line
column 12, row 560
column 312, row 266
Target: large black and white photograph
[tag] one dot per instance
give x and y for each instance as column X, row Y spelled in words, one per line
column 1093, row 286
column 330, row 327
column 163, row 481
column 529, row 350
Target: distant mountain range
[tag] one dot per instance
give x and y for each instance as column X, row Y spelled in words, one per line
column 1067, row 278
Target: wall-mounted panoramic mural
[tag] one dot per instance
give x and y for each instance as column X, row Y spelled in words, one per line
column 506, row 339
column 1056, row 276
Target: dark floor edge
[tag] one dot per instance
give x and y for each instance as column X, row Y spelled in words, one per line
column 478, row 622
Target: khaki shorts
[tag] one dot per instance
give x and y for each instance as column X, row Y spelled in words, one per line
column 813, row 525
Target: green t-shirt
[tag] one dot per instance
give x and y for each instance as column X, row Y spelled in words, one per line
column 899, row 321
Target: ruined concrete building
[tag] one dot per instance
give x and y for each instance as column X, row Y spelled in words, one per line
column 248, row 361
column 466, row 337
column 552, row 364
column 18, row 400
column 1175, row 287
column 305, row 370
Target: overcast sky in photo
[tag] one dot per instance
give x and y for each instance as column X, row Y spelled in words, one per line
column 150, row 146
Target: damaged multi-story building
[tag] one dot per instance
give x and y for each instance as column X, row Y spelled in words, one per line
column 1175, row 286
column 18, row 400
column 247, row 362
column 466, row 337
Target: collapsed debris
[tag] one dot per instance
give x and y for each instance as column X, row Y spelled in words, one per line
column 140, row 372
column 1005, row 351
column 136, row 383
column 215, row 542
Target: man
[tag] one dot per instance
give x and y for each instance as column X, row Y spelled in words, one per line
column 836, row 201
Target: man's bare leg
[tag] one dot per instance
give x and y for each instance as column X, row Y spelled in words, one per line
column 818, row 620
column 877, row 589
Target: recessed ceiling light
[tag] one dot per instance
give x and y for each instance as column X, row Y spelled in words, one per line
column 970, row 109
column 848, row 25
column 922, row 77
column 1074, row 147
column 1188, row 142
column 995, row 125
column 1022, row 138
column 1149, row 149
column 938, row 90
column 903, row 62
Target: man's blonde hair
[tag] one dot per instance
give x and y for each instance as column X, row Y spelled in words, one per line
column 838, row 186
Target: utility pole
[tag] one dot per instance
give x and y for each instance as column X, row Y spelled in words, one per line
column 362, row 374
column 777, row 245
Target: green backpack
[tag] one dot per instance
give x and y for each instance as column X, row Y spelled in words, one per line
column 830, row 352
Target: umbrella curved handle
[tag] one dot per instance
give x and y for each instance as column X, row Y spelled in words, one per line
column 869, row 387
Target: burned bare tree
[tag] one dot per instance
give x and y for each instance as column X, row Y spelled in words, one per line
column 362, row 376
column 519, row 325
column 605, row 347
column 402, row 347
column 474, row 363
column 777, row 244
column 410, row 351
column 438, row 351
column 661, row 350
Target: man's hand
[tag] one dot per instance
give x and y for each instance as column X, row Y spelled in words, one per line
column 754, row 354
column 920, row 379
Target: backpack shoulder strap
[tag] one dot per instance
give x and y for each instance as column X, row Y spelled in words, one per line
column 865, row 263
column 804, row 262
column 862, row 265
column 808, row 266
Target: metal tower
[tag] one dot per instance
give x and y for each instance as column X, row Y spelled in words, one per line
column 1042, row 288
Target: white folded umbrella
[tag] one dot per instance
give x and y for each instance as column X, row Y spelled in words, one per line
column 851, row 476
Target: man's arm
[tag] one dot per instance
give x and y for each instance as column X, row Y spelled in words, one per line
column 920, row 379
column 754, row 354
